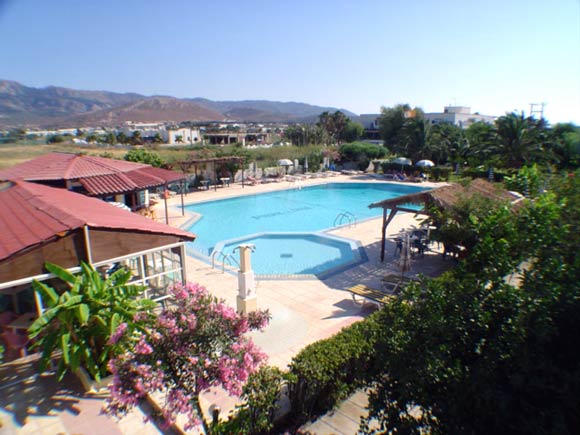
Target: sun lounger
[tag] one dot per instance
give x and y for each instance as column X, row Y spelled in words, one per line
column 369, row 294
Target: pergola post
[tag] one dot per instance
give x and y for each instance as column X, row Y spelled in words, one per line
column 165, row 196
column 386, row 222
column 182, row 205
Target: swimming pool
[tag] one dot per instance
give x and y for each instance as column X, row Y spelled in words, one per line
column 310, row 209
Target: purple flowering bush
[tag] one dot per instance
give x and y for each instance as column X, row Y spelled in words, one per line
column 197, row 344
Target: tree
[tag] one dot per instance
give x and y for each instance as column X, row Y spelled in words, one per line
column 122, row 138
column 144, row 156
column 333, row 124
column 471, row 353
column 197, row 345
column 445, row 142
column 566, row 144
column 110, row 138
column 414, row 138
column 391, row 122
column 520, row 140
column 56, row 138
column 353, row 131
column 157, row 138
column 179, row 139
column 136, row 138
column 80, row 321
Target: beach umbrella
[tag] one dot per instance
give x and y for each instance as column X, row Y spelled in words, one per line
column 405, row 258
column 285, row 163
column 403, row 161
column 425, row 163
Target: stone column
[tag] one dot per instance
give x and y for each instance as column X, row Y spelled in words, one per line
column 247, row 300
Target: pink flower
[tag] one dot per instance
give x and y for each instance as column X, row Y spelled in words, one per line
column 116, row 336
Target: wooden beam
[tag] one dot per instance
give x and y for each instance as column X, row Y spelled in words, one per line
column 182, row 205
column 386, row 223
column 165, row 196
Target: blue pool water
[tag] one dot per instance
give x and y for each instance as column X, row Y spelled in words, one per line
column 286, row 253
column 310, row 209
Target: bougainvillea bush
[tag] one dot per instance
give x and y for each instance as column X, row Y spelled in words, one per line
column 198, row 343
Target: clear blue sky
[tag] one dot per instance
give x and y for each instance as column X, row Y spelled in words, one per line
column 494, row 56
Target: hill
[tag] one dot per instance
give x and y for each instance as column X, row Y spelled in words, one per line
column 57, row 107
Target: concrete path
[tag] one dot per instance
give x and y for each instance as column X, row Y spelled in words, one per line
column 345, row 420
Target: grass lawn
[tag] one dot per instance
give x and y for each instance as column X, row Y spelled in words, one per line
column 14, row 153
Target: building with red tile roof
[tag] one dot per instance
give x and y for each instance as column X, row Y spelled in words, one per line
column 43, row 224
column 94, row 176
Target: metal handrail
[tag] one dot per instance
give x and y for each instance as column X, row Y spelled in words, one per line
column 351, row 219
column 224, row 257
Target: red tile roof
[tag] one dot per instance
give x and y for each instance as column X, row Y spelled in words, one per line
column 32, row 214
column 99, row 175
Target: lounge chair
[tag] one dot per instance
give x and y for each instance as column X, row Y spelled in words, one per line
column 371, row 295
column 253, row 181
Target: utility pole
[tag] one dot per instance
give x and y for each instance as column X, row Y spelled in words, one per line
column 537, row 108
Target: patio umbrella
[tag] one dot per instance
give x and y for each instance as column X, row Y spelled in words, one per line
column 285, row 163
column 425, row 163
column 405, row 258
column 306, row 164
column 403, row 161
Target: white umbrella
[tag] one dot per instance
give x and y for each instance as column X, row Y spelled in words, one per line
column 285, row 162
column 425, row 163
column 306, row 164
column 403, row 161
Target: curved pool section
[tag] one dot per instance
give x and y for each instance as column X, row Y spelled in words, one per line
column 296, row 255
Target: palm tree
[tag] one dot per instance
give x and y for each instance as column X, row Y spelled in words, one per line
column 520, row 140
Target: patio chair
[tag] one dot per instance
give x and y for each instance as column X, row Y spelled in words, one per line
column 6, row 318
column 16, row 342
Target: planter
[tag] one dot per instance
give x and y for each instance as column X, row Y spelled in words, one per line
column 91, row 386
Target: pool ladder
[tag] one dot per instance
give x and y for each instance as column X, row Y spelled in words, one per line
column 346, row 215
column 225, row 258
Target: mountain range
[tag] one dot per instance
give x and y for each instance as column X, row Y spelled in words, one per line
column 63, row 107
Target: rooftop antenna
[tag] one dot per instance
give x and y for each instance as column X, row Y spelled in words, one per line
column 537, row 109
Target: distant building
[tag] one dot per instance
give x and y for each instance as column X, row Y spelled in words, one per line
column 370, row 123
column 183, row 135
column 460, row 116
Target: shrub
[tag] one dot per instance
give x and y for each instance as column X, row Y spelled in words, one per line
column 82, row 321
column 329, row 370
column 144, row 156
column 438, row 173
column 528, row 181
column 261, row 396
column 361, row 153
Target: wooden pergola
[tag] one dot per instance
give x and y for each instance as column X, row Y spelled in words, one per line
column 186, row 165
column 442, row 197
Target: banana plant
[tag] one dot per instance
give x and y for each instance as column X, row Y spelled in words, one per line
column 79, row 322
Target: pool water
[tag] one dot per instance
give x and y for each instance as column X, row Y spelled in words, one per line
column 310, row 209
column 297, row 253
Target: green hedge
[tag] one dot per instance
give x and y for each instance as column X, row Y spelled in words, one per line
column 361, row 153
column 327, row 371
column 438, row 173
column 498, row 174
